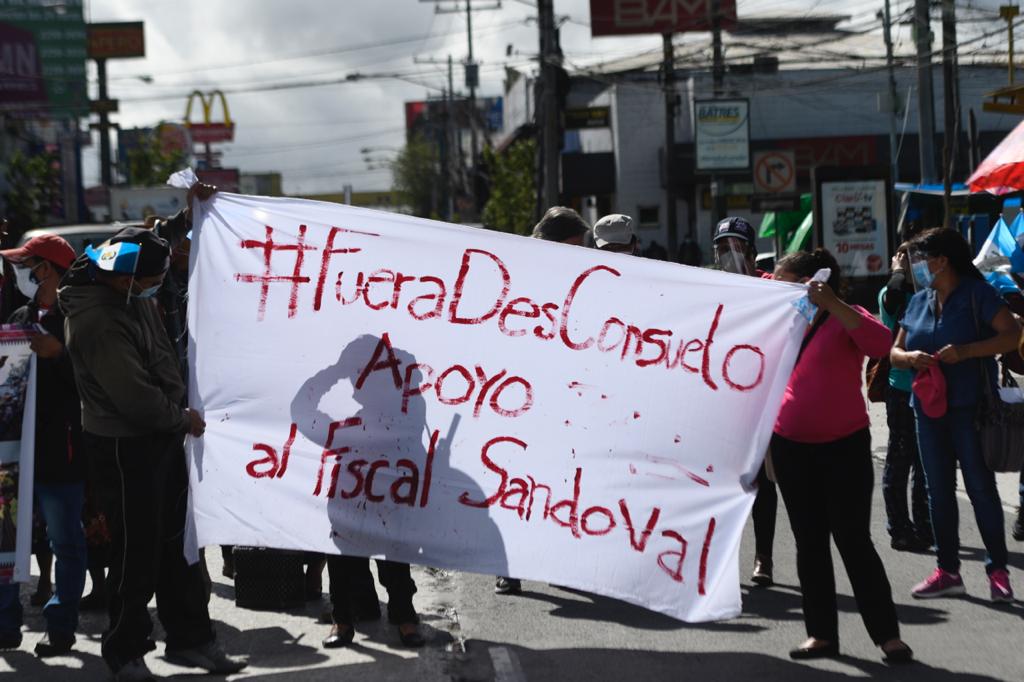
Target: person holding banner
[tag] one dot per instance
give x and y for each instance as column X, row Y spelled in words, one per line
column 565, row 226
column 59, row 479
column 821, row 450
column 956, row 321
column 735, row 246
column 133, row 422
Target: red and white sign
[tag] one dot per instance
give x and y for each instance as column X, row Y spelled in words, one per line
column 774, row 172
column 379, row 385
column 624, row 17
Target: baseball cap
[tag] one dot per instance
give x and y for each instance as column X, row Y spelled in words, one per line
column 48, row 247
column 930, row 389
column 736, row 227
column 613, row 229
column 132, row 251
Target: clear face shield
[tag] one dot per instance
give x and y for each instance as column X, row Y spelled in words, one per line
column 731, row 256
column 921, row 274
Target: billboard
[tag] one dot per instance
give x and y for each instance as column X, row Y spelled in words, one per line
column 855, row 226
column 42, row 58
column 421, row 115
column 722, row 134
column 625, row 17
column 117, row 40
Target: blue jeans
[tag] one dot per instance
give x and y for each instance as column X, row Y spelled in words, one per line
column 944, row 442
column 61, row 505
column 10, row 609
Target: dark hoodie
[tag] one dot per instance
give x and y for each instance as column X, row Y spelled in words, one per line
column 126, row 371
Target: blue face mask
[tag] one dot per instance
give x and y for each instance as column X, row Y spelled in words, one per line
column 147, row 293
column 922, row 275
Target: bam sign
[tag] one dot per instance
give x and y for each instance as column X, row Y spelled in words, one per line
column 621, row 17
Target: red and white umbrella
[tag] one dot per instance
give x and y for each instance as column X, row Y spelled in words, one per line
column 1002, row 171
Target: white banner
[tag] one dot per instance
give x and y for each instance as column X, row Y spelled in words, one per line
column 375, row 384
column 17, row 443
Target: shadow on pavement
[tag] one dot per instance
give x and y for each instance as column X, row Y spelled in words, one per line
column 565, row 665
column 608, row 610
column 783, row 602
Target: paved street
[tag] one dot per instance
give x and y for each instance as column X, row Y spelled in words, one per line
column 552, row 633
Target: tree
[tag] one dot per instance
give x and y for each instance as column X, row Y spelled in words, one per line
column 510, row 205
column 33, row 190
column 150, row 164
column 417, row 176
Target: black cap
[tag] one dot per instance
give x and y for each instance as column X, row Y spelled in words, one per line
column 736, row 227
column 154, row 252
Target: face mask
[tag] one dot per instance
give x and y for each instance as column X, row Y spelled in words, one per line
column 26, row 283
column 148, row 293
column 922, row 275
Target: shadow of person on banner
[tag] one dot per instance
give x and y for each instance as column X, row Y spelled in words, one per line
column 390, row 497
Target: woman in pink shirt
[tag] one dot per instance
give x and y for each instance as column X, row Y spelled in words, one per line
column 821, row 450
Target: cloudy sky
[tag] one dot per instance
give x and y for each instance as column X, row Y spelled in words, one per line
column 313, row 135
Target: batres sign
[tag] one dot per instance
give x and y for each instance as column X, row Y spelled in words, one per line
column 624, row 17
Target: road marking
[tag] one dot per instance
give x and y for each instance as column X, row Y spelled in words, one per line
column 506, row 665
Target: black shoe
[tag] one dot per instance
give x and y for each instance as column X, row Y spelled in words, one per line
column 339, row 637
column 94, row 601
column 1018, row 526
column 10, row 640
column 762, row 573
column 54, row 645
column 829, row 650
column 412, row 639
column 901, row 543
column 903, row 654
column 507, row 586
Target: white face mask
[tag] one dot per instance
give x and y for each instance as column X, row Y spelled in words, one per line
column 24, row 280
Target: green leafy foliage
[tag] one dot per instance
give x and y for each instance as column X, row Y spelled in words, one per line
column 513, row 194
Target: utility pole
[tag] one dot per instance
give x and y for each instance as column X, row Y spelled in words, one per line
column 1008, row 13
column 893, row 97
column 472, row 83
column 718, row 80
column 950, row 97
column 925, row 92
column 104, row 125
column 669, row 71
column 446, row 139
column 547, row 105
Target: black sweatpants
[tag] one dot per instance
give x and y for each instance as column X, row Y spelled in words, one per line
column 142, row 487
column 353, row 590
column 766, row 503
column 827, row 491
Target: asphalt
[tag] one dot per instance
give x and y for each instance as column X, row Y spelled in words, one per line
column 559, row 634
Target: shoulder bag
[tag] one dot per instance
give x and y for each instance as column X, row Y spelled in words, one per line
column 1000, row 424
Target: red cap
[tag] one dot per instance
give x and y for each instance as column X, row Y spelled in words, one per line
column 930, row 389
column 49, row 247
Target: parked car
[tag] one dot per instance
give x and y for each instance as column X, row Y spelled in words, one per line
column 78, row 236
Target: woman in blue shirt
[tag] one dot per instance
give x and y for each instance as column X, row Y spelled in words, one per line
column 956, row 319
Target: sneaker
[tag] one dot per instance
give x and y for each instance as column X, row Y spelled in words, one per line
column 134, row 671
column 939, row 584
column 999, row 583
column 505, row 585
column 762, row 573
column 210, row 657
column 54, row 644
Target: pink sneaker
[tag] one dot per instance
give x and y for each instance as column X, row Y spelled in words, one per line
column 999, row 582
column 940, row 584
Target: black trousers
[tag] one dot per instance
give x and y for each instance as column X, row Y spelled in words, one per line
column 142, row 487
column 353, row 591
column 766, row 505
column 827, row 491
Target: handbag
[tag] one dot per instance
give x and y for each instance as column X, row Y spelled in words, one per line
column 1000, row 424
column 876, row 377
